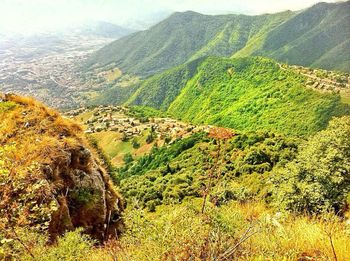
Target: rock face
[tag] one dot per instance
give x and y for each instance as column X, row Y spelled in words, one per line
column 53, row 179
column 86, row 198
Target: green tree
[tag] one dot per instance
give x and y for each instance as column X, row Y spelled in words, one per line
column 319, row 178
column 128, row 158
column 135, row 144
column 150, row 137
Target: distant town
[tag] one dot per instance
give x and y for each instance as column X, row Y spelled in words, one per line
column 44, row 67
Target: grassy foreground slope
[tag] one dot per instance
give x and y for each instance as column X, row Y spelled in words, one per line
column 244, row 94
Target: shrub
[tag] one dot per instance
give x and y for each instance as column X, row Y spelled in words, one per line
column 150, row 138
column 128, row 158
column 318, row 179
column 135, row 144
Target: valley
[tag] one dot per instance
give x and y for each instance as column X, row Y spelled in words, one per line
column 31, row 67
column 210, row 135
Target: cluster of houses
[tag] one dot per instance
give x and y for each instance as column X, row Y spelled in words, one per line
column 322, row 80
column 115, row 118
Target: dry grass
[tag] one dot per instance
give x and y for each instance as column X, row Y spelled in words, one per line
column 38, row 132
column 38, row 148
column 182, row 233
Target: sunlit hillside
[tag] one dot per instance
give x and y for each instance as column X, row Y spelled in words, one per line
column 208, row 130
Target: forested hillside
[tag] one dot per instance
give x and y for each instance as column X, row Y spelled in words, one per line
column 289, row 173
column 314, row 37
column 192, row 198
column 317, row 37
column 245, row 94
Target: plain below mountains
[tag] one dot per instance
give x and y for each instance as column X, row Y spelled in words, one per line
column 314, row 37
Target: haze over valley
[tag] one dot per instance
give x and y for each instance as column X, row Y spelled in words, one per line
column 44, row 65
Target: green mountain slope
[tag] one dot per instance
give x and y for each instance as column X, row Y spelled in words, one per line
column 313, row 37
column 241, row 31
column 337, row 58
column 245, row 93
column 309, row 36
column 161, row 90
column 167, row 44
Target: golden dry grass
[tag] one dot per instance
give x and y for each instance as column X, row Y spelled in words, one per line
column 38, row 132
column 180, row 232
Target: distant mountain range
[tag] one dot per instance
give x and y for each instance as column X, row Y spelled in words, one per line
column 317, row 37
column 103, row 29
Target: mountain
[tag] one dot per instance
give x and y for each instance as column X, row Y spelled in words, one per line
column 103, row 29
column 51, row 180
column 181, row 37
column 147, row 20
column 241, row 93
column 316, row 37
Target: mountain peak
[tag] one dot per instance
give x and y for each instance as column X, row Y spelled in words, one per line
column 186, row 13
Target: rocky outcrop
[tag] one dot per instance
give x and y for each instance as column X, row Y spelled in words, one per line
column 59, row 183
column 85, row 196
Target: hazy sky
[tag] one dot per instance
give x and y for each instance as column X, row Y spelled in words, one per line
column 34, row 15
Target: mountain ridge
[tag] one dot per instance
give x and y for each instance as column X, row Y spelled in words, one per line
column 189, row 35
column 104, row 29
